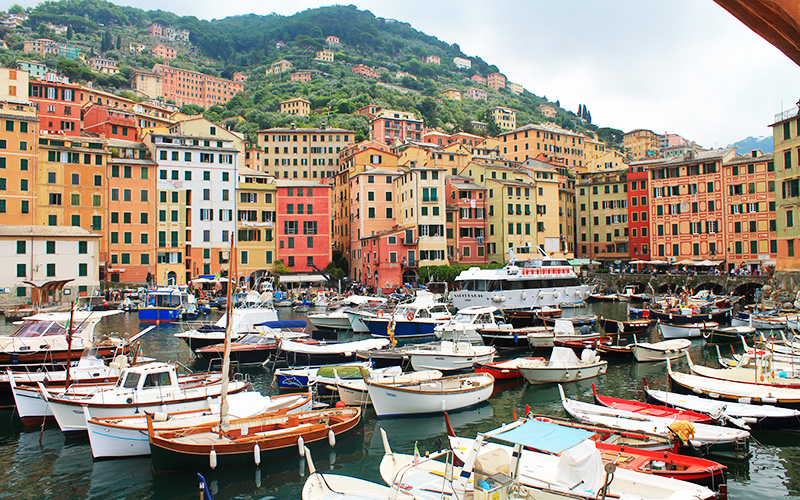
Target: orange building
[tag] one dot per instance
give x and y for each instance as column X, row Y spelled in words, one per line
column 71, row 186
column 749, row 214
column 164, row 51
column 362, row 70
column 530, row 140
column 130, row 231
column 465, row 221
column 184, row 86
column 18, row 144
column 642, row 144
column 496, row 81
column 687, row 207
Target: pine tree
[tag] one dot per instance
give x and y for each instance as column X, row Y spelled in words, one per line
column 580, row 111
column 119, row 42
column 69, row 32
column 106, row 44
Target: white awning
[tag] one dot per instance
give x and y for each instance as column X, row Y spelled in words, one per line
column 302, row 278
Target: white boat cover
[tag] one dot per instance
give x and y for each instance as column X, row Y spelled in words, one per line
column 581, row 465
column 343, row 347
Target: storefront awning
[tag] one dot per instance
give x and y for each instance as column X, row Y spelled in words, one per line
column 302, row 278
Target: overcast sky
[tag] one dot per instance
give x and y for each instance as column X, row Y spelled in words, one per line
column 678, row 66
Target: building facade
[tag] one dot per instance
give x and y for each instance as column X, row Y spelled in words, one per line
column 786, row 141
column 302, row 153
column 304, row 224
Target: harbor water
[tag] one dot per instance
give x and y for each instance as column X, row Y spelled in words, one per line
column 42, row 463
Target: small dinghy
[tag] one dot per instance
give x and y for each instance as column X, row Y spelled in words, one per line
column 563, row 366
column 435, row 396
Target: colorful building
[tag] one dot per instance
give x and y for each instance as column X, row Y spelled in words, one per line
column 366, row 71
column 511, row 213
column 687, row 207
column 452, row 93
column 476, row 94
column 641, row 144
column 466, row 221
column 184, row 86
column 496, row 81
column 256, row 217
column 304, row 224
column 58, row 106
column 390, row 126
column 530, row 140
column 130, row 230
column 433, row 60
column 515, row 88
column 18, row 155
column 786, row 141
column 302, row 153
column 505, row 118
column 480, row 80
column 279, row 67
column 162, row 51
column 750, row 226
column 109, row 122
column 602, row 213
column 639, row 209
column 297, row 106
column 324, row 56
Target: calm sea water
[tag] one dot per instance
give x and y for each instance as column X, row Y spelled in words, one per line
column 40, row 464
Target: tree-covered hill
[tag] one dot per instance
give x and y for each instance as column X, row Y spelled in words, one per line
column 249, row 44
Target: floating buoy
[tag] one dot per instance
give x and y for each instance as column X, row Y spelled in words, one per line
column 212, row 459
column 340, row 404
column 331, row 438
column 300, row 445
column 257, row 454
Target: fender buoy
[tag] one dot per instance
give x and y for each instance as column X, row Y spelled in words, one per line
column 380, row 313
column 410, row 316
column 544, row 419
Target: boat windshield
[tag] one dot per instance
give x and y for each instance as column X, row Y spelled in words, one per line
column 463, row 318
column 164, row 300
column 441, row 308
column 131, row 380
column 44, row 329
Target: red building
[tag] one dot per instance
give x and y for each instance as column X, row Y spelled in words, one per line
column 58, row 105
column 303, row 222
column 362, row 70
column 467, row 243
column 382, row 265
column 109, row 122
column 638, row 212
column 389, row 126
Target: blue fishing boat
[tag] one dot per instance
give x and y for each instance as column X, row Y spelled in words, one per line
column 411, row 320
column 163, row 304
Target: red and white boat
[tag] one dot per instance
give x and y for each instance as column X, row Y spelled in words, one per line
column 651, row 410
column 502, row 370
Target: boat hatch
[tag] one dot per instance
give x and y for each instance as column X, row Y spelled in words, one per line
column 44, row 328
column 543, row 436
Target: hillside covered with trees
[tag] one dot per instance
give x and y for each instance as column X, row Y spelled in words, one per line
column 250, row 43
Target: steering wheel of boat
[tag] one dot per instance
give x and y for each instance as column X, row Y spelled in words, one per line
column 410, row 316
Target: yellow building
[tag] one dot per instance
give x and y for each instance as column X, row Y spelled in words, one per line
column 641, row 144
column 279, row 67
column 549, row 224
column 452, row 93
column 324, row 56
column 302, row 153
column 505, row 118
column 786, row 141
column 18, row 151
column 610, row 159
column 420, row 200
column 71, row 185
column 256, row 201
column 531, row 140
column 511, row 206
column 208, row 131
column 297, row 106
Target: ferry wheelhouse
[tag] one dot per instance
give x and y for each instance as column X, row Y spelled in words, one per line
column 531, row 280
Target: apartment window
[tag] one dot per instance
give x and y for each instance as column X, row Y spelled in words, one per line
column 51, row 270
column 22, row 271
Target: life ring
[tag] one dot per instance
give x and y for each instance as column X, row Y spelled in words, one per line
column 410, row 316
column 380, row 313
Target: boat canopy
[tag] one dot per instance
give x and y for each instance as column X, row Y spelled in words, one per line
column 286, row 323
column 544, row 436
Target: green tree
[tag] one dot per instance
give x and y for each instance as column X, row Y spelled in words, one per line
column 70, row 33
column 106, row 43
column 16, row 9
column 119, row 42
column 280, row 268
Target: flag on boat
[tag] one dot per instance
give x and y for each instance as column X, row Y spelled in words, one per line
column 416, row 454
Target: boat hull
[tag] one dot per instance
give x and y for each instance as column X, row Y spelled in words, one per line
column 149, row 314
column 437, row 396
column 448, row 362
column 402, row 329
column 502, row 339
column 678, row 318
column 660, row 351
column 552, row 375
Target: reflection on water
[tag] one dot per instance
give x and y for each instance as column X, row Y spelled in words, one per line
column 54, row 467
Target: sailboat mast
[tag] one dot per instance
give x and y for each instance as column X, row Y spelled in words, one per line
column 224, row 419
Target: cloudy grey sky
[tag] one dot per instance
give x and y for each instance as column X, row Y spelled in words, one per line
column 678, row 66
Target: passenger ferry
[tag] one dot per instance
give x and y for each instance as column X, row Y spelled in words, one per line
column 522, row 284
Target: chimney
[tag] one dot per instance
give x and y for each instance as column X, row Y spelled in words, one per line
column 293, row 126
column 323, row 126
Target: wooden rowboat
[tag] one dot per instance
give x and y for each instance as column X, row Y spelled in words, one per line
column 632, row 406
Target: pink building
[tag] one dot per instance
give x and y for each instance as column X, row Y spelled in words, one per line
column 372, row 212
column 496, row 81
column 481, row 80
column 366, row 71
column 332, row 40
column 240, row 77
column 369, row 110
column 380, row 263
column 476, row 94
column 389, row 126
column 466, row 201
column 433, row 60
column 155, row 29
column 164, row 51
column 303, row 224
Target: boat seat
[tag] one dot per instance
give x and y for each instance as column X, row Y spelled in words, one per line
column 493, row 462
column 119, row 362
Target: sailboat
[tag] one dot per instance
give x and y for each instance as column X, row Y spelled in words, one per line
column 239, row 440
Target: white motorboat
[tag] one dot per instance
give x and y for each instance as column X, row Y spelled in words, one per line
column 127, row 436
column 148, row 387
column 435, row 396
column 448, row 355
column 762, row 371
column 685, row 330
column 410, row 320
column 756, row 416
column 563, row 366
column 724, row 390
column 531, row 279
column 563, row 331
column 354, row 392
column 332, row 320
column 466, row 323
column 659, row 351
column 254, row 310
column 300, row 354
column 723, row 441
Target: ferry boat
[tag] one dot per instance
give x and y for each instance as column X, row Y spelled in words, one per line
column 534, row 282
column 163, row 304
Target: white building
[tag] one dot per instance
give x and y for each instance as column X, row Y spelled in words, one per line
column 195, row 204
column 41, row 254
column 462, row 63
